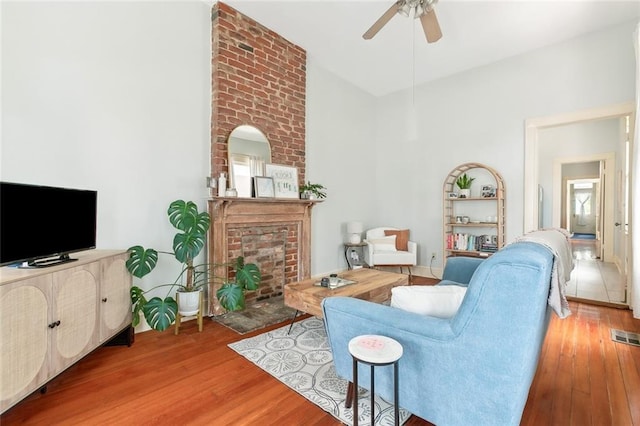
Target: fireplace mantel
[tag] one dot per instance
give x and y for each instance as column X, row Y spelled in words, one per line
column 235, row 220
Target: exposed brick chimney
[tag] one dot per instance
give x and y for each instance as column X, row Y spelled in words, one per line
column 259, row 79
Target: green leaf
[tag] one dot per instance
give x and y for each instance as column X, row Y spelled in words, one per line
column 185, row 217
column 239, row 263
column 160, row 314
column 141, row 261
column 187, row 246
column 248, row 277
column 137, row 302
column 181, row 214
column 231, row 297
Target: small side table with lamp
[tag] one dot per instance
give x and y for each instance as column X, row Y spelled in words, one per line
column 353, row 249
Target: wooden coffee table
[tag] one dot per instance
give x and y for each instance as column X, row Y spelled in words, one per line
column 370, row 284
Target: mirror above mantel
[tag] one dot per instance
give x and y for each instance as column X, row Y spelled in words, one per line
column 249, row 151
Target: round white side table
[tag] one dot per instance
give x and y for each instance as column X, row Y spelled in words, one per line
column 375, row 351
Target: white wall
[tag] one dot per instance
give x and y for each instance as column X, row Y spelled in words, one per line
column 116, row 96
column 340, row 155
column 110, row 96
column 478, row 116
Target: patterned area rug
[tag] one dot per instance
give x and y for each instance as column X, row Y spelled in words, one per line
column 256, row 316
column 302, row 360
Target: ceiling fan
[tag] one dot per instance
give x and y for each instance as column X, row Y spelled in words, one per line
column 424, row 9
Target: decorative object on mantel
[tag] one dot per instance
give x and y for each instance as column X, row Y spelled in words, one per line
column 248, row 152
column 285, row 180
column 187, row 244
column 212, row 184
column 222, row 184
column 464, row 183
column 312, row 191
column 354, row 229
column 263, row 187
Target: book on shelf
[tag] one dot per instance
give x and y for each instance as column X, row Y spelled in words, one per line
column 469, row 242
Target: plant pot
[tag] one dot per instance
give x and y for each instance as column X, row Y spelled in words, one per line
column 306, row 195
column 464, row 193
column 188, row 302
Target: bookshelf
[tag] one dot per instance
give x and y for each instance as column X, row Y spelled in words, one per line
column 475, row 225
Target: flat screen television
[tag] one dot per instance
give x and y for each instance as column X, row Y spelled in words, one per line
column 41, row 225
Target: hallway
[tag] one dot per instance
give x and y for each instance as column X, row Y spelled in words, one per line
column 592, row 279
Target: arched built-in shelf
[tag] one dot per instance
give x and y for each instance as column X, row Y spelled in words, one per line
column 484, row 233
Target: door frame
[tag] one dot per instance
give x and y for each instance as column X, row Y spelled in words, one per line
column 531, row 164
column 607, row 179
column 531, row 147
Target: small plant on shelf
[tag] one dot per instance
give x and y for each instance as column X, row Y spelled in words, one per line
column 312, row 191
column 464, row 183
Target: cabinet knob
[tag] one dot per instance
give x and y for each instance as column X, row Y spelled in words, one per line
column 104, row 299
column 54, row 324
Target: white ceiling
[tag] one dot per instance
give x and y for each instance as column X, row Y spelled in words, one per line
column 475, row 33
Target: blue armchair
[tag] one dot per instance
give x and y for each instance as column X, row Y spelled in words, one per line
column 473, row 368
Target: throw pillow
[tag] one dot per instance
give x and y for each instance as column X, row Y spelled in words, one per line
column 384, row 243
column 441, row 301
column 402, row 238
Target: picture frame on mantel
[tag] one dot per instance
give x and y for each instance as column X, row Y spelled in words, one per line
column 263, row 187
column 285, row 180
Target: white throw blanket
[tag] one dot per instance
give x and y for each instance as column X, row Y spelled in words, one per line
column 557, row 241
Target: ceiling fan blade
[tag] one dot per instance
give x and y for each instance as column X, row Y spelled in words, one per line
column 431, row 26
column 381, row 22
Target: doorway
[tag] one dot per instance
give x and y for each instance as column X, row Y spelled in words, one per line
column 543, row 202
column 581, row 208
column 585, row 206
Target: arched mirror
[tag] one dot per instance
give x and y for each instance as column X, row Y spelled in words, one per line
column 249, row 152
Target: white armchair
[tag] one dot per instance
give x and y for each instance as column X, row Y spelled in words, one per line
column 390, row 248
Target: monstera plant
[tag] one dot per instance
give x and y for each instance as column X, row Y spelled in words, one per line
column 188, row 242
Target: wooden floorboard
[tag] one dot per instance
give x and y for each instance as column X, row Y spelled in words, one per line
column 583, row 378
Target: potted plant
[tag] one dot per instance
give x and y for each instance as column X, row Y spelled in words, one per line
column 312, row 191
column 464, row 183
column 187, row 244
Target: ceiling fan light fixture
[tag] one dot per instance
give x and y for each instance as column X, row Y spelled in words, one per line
column 423, row 9
column 405, row 9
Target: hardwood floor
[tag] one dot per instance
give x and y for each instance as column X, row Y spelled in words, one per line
column 583, row 378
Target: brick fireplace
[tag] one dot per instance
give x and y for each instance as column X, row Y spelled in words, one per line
column 259, row 79
column 274, row 234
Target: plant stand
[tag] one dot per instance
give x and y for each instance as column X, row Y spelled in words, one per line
column 199, row 315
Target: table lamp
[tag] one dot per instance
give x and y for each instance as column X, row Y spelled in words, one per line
column 354, row 229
